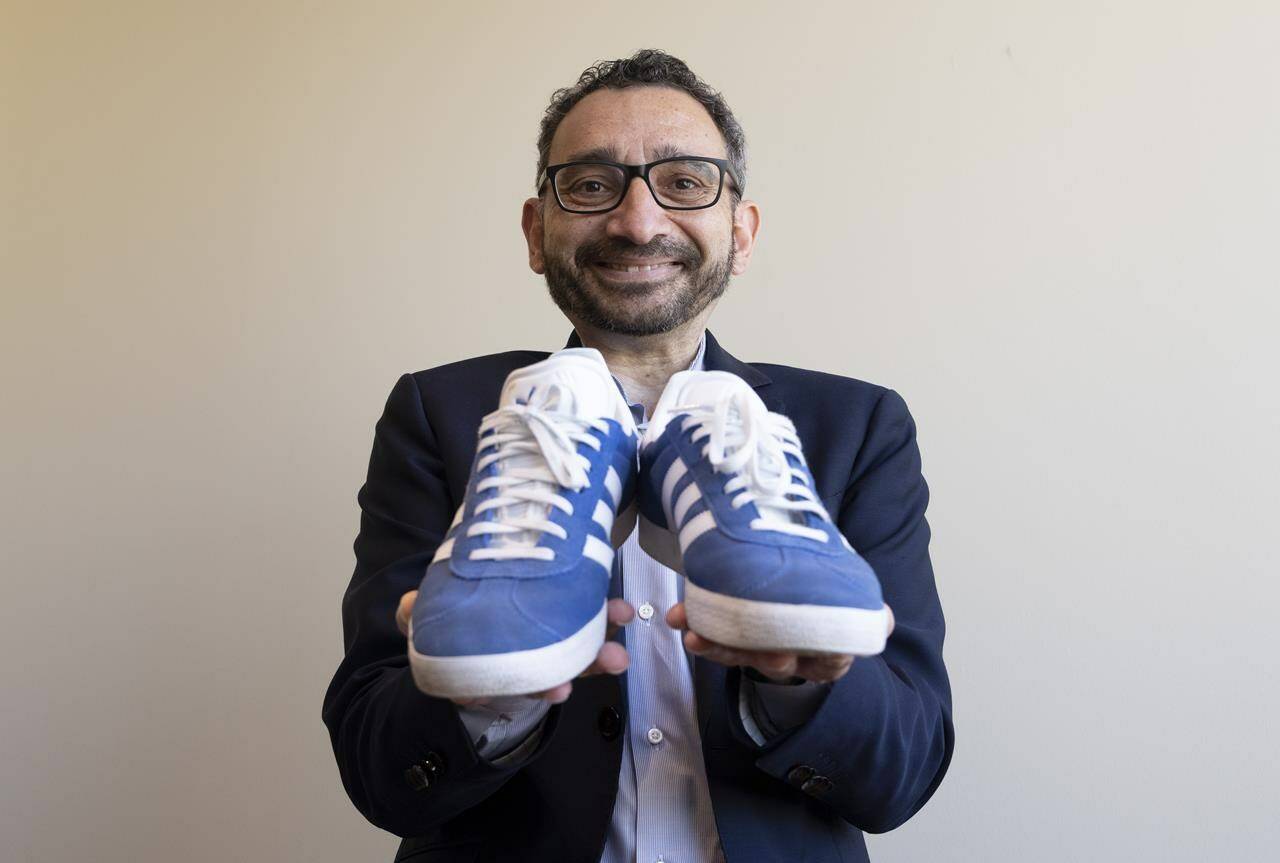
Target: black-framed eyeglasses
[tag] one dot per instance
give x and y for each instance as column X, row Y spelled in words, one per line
column 676, row 183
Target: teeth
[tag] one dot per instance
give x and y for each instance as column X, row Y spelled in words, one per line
column 645, row 268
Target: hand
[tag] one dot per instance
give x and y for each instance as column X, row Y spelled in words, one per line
column 776, row 665
column 612, row 658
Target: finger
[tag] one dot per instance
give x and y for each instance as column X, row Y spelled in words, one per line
column 612, row 659
column 556, row 694
column 718, row 655
column 769, row 662
column 404, row 610
column 823, row 669
column 781, row 667
column 708, row 648
column 676, row 617
column 758, row 658
column 620, row 613
column 700, row 646
column 828, row 660
column 697, row 644
column 469, row 702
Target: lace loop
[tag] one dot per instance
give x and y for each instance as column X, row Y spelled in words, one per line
column 745, row 439
column 535, row 446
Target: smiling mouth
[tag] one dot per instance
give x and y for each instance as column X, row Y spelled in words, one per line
column 648, row 272
column 623, row 267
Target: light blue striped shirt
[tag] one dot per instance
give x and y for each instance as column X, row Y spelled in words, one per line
column 663, row 808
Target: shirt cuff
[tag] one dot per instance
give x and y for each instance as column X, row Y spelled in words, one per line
column 504, row 728
column 769, row 709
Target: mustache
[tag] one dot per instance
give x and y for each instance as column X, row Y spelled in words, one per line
column 660, row 249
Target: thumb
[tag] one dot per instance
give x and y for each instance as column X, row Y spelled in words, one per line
column 404, row 610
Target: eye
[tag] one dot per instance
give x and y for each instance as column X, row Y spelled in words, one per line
column 687, row 183
column 587, row 185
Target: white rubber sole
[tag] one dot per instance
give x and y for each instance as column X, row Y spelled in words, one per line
column 782, row 626
column 774, row 626
column 523, row 672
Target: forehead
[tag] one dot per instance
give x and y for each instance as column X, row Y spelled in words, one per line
column 636, row 124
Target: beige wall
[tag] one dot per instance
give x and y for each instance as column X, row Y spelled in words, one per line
column 228, row 228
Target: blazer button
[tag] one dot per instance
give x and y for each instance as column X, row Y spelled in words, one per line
column 420, row 776
column 417, row 778
column 817, row 785
column 609, row 723
column 800, row 774
column 434, row 764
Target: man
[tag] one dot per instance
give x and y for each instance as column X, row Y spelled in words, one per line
column 734, row 755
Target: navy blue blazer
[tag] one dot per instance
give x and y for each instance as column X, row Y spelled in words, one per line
column 868, row 759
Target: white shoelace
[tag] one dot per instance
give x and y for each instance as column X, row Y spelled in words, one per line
column 536, row 447
column 746, row 439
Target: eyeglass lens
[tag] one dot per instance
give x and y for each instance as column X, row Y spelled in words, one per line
column 683, row 183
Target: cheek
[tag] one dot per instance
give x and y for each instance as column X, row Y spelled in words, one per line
column 564, row 243
column 716, row 239
column 715, row 249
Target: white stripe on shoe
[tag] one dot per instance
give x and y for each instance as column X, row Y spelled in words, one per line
column 691, row 495
column 697, row 526
column 598, row 550
column 603, row 516
column 674, row 473
column 613, row 484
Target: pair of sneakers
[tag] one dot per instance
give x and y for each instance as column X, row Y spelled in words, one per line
column 514, row 600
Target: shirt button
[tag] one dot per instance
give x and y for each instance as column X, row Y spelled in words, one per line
column 655, row 736
column 645, row 611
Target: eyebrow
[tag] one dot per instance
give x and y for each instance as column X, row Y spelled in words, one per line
column 609, row 153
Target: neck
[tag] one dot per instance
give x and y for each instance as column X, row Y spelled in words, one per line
column 644, row 364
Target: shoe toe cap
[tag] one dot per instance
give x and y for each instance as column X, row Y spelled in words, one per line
column 468, row 617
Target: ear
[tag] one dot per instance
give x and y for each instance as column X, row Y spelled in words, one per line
column 746, row 225
column 531, row 223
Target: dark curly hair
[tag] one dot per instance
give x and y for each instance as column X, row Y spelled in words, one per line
column 648, row 66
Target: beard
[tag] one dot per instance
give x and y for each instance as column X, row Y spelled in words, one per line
column 635, row 308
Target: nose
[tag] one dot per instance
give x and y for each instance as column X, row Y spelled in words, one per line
column 638, row 218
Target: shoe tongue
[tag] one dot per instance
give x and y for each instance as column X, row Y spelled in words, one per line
column 707, row 389
column 777, row 513
column 562, row 383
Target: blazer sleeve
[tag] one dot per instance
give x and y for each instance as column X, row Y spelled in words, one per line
column 879, row 744
column 406, row 759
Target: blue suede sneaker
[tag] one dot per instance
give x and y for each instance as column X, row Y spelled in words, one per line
column 513, row 602
column 726, row 498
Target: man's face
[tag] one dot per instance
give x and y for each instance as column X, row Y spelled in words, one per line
column 697, row 249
